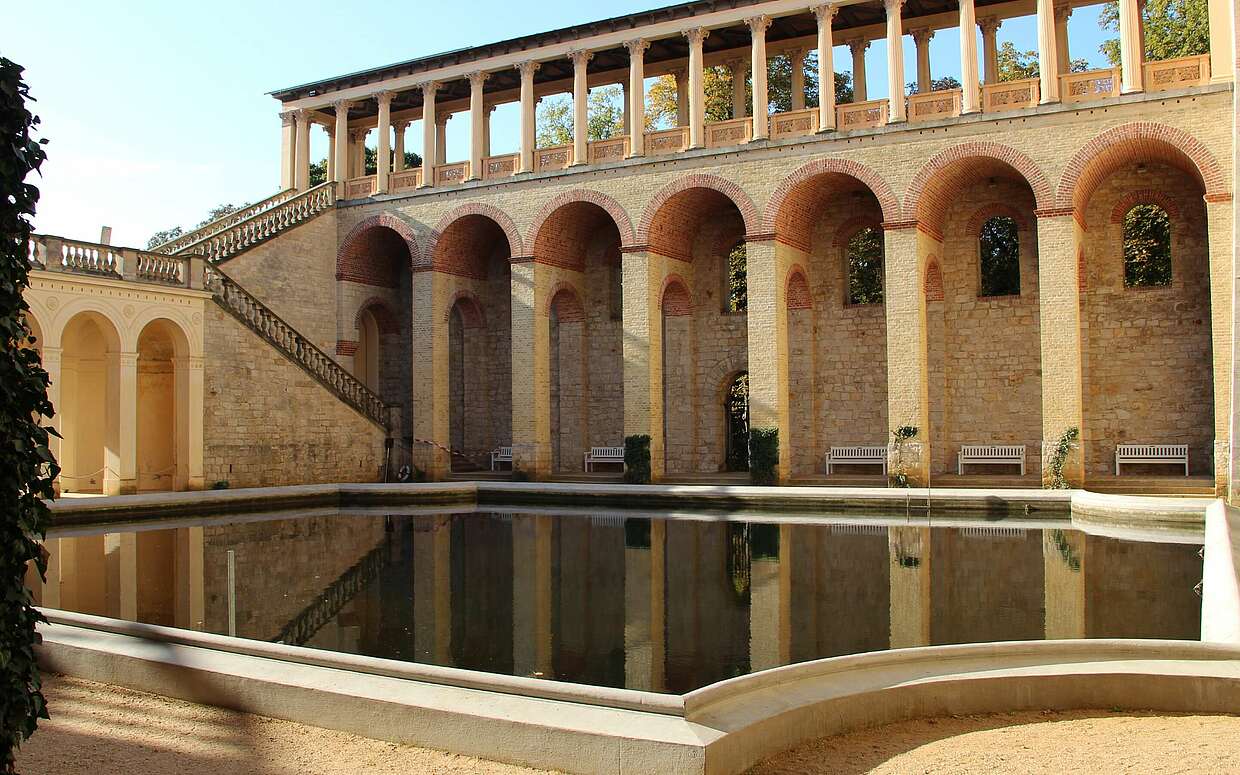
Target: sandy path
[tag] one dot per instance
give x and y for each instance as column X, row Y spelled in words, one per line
column 100, row 730
column 1028, row 742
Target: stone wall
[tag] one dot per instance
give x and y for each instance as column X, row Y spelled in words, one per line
column 266, row 422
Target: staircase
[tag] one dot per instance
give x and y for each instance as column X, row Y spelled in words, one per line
column 225, row 237
column 260, row 319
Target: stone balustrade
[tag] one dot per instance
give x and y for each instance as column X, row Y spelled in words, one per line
column 609, row 150
column 405, row 180
column 1089, row 85
column 794, row 123
column 734, row 131
column 449, row 174
column 357, row 188
column 861, row 115
column 500, row 166
column 664, row 141
column 1178, row 73
column 223, row 222
column 239, row 236
column 1011, row 95
column 57, row 254
column 934, row 105
column 555, row 157
column 267, row 324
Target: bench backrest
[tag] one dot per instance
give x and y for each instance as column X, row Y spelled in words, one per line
column 993, row 450
column 504, row 453
column 607, row 452
column 1151, row 450
column 866, row 453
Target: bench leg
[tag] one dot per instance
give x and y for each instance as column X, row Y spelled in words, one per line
column 1117, row 465
column 1186, row 468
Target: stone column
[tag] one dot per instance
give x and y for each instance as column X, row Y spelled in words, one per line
column 921, row 37
column 757, row 69
column 428, row 134
column 739, row 108
column 1131, row 44
column 628, row 107
column 767, row 320
column 288, row 149
column 1219, row 227
column 383, row 144
column 907, row 367
column 486, row 129
column 642, row 344
column 909, row 579
column 1062, row 12
column 1048, row 59
column 331, row 153
column 682, row 97
column 990, row 47
column 531, row 369
column 637, row 95
column 301, row 173
column 825, row 14
column 398, row 151
column 441, row 138
column 528, row 121
column 858, row 47
column 120, row 476
column 968, row 58
column 581, row 106
column 358, row 138
column 1059, row 313
column 896, row 110
column 797, row 57
column 477, row 123
column 697, row 89
column 1222, row 40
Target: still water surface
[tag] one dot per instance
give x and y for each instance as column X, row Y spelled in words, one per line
column 647, row 603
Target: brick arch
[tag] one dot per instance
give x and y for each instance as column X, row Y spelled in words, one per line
column 619, row 216
column 691, row 197
column 472, row 314
column 445, row 238
column 566, row 302
column 993, row 210
column 929, row 196
column 850, row 227
column 1138, row 141
column 1145, row 196
column 932, row 285
column 796, row 292
column 804, row 191
column 674, row 298
column 350, row 256
column 385, row 318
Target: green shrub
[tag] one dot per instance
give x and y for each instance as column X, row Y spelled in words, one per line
column 220, row 485
column 763, row 455
column 637, row 459
column 1063, row 448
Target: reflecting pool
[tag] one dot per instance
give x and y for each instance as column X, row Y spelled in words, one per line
column 661, row 604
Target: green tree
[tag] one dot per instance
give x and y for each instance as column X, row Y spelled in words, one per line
column 1000, row 257
column 604, row 111
column 1147, row 247
column 1173, row 28
column 738, row 292
column 160, row 237
column 318, row 170
column 27, row 468
column 865, row 267
column 215, row 213
column 936, row 84
column 554, row 121
column 1017, row 65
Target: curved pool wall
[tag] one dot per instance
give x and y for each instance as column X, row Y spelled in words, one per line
column 722, row 728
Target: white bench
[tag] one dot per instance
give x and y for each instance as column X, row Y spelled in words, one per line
column 857, row 456
column 990, row 454
column 501, row 455
column 1151, row 453
column 604, row 455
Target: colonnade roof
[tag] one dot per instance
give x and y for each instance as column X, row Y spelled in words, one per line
column 852, row 14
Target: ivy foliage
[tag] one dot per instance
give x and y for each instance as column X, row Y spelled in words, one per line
column 1147, row 247
column 763, row 455
column 1059, row 457
column 27, row 467
column 637, row 459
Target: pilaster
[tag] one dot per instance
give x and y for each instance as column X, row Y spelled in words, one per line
column 120, row 476
column 642, row 275
column 1220, row 232
column 908, row 402
column 531, row 369
column 766, row 268
column 430, row 374
column 1059, row 315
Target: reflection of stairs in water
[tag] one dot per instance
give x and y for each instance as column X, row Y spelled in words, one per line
column 330, row 601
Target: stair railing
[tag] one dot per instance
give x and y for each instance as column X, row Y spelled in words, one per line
column 232, row 239
column 223, row 222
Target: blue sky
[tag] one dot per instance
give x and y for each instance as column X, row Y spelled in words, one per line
column 157, row 111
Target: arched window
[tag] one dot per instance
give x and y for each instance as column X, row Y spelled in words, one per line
column 1000, row 257
column 737, row 295
column 865, row 267
column 1147, row 247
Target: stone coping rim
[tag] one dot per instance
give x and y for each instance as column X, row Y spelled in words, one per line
column 624, row 699
column 1154, row 518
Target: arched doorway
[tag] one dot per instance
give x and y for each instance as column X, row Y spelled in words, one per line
column 570, row 383
column 90, row 405
column 162, row 413
column 736, row 422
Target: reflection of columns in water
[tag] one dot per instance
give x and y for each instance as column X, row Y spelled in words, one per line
column 531, row 595
column 644, row 610
column 770, row 602
column 909, row 552
column 432, row 591
column 1063, row 557
column 121, row 561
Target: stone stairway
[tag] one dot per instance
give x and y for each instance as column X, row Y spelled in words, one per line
column 225, row 237
column 260, row 319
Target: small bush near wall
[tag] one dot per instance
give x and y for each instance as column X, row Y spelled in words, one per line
column 763, row 455
column 637, row 459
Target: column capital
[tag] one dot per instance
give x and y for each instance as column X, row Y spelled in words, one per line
column 758, row 24
column 400, row 126
column 696, row 35
column 528, row 67
column 428, row 87
column 287, row 117
column 489, row 108
column 477, row 78
column 857, row 45
column 580, row 57
column 678, row 73
column 921, row 35
column 384, row 97
column 893, row 6
column 340, row 105
column 825, row 12
column 737, row 65
column 1063, row 10
column 358, row 134
column 441, row 119
column 989, row 23
column 796, row 54
column 637, row 47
